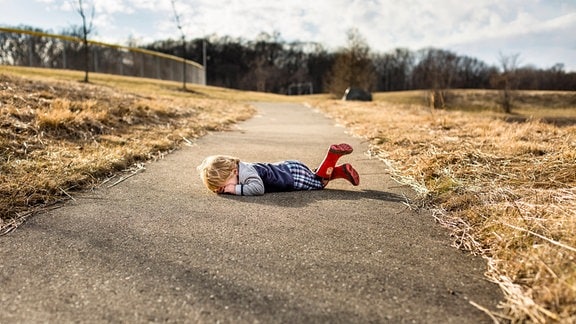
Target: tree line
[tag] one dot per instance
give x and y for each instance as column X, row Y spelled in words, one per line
column 270, row 64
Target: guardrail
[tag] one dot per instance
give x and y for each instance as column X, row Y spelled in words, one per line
column 38, row 49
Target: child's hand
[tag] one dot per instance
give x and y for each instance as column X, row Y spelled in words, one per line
column 230, row 184
column 230, row 188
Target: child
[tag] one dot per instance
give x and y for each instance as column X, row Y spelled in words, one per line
column 226, row 174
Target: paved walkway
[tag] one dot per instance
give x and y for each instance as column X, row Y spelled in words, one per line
column 158, row 247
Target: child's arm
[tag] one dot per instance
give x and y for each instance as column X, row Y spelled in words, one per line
column 250, row 183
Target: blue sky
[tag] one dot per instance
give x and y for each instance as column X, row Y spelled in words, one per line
column 542, row 32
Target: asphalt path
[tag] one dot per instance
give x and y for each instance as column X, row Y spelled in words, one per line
column 158, row 247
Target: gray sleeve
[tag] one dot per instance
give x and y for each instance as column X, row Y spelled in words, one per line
column 249, row 182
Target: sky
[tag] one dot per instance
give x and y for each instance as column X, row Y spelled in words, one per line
column 541, row 32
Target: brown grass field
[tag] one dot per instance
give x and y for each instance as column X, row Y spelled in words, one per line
column 505, row 185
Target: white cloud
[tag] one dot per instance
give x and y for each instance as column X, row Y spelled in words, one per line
column 539, row 29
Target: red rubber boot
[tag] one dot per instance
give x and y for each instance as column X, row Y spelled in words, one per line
column 334, row 153
column 346, row 171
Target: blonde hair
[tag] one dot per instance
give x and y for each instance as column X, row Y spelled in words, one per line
column 216, row 169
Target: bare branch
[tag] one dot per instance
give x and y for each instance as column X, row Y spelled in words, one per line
column 87, row 25
column 177, row 18
column 86, row 30
column 179, row 25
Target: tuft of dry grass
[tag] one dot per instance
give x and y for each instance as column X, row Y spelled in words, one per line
column 506, row 189
column 61, row 136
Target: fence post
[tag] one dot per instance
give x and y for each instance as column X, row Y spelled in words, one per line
column 142, row 65
column 64, row 54
column 30, row 51
column 121, row 64
column 95, row 56
column 157, row 59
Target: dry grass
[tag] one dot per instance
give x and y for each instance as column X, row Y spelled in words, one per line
column 148, row 86
column 507, row 190
column 60, row 136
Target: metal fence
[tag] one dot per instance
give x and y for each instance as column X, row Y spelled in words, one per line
column 37, row 49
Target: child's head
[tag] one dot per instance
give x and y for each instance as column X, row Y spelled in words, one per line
column 216, row 169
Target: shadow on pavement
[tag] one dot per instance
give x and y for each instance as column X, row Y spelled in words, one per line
column 298, row 199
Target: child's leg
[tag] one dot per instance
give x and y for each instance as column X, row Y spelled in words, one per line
column 346, row 171
column 304, row 178
column 334, row 153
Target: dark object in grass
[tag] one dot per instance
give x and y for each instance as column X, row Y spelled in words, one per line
column 356, row 94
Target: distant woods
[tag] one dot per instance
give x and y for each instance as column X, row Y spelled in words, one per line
column 270, row 64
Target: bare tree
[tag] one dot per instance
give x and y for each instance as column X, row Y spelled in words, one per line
column 506, row 80
column 436, row 71
column 179, row 25
column 353, row 66
column 86, row 30
column 393, row 69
